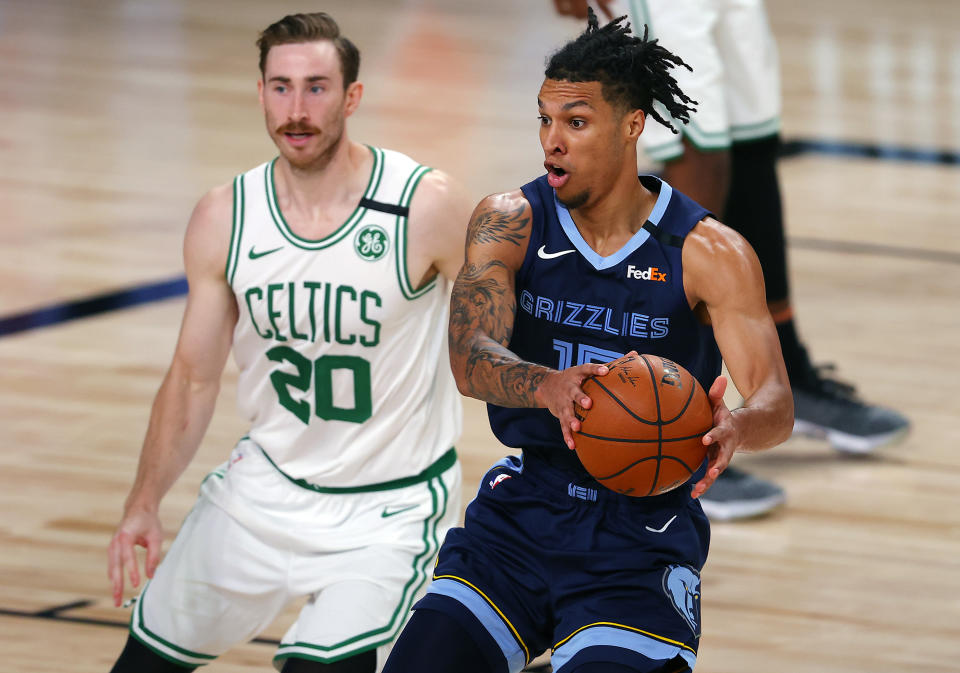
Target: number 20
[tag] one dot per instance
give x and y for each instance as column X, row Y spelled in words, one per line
column 321, row 372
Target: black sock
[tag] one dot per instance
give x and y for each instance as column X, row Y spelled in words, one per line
column 794, row 354
column 138, row 658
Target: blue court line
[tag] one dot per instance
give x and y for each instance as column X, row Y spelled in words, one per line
column 101, row 303
column 793, row 148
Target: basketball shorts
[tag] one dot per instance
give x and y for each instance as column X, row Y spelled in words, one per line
column 543, row 562
column 735, row 78
column 255, row 542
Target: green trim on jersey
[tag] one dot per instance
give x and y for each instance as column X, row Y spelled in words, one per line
column 421, row 564
column 403, row 274
column 376, row 173
column 137, row 622
column 441, row 465
column 236, row 231
column 755, row 131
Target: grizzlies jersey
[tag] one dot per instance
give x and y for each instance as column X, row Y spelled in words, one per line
column 574, row 306
column 344, row 371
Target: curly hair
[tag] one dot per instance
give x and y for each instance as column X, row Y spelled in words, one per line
column 633, row 72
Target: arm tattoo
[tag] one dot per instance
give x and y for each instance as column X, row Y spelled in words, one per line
column 495, row 226
column 482, row 310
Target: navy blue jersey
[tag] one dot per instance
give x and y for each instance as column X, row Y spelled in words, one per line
column 574, row 306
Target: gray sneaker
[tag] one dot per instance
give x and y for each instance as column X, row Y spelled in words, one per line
column 825, row 408
column 739, row 495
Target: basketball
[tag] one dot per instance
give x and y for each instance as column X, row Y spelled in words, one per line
column 642, row 435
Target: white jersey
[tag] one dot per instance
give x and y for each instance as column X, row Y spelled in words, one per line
column 344, row 371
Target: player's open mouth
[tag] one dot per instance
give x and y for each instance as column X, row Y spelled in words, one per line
column 556, row 176
column 298, row 138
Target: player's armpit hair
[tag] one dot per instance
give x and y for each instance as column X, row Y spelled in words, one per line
column 633, row 72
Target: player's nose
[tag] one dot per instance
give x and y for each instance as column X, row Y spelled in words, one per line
column 552, row 141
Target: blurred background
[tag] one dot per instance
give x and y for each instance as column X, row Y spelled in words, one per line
column 117, row 115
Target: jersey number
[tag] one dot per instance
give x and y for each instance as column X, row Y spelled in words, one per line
column 321, row 372
column 584, row 353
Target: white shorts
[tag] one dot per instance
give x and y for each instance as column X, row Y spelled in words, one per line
column 736, row 71
column 255, row 541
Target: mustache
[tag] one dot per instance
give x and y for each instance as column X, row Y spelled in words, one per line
column 297, row 127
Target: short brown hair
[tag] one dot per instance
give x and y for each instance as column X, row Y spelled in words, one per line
column 296, row 28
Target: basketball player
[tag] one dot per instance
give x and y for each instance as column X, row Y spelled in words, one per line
column 725, row 158
column 558, row 279
column 327, row 270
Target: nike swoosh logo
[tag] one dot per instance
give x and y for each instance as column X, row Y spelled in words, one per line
column 393, row 512
column 660, row 530
column 543, row 254
column 258, row 255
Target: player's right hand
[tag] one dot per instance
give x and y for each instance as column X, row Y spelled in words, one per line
column 560, row 390
column 139, row 527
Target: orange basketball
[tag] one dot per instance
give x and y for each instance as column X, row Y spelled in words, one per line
column 642, row 436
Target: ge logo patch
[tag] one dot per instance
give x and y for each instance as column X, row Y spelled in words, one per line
column 371, row 243
column 682, row 586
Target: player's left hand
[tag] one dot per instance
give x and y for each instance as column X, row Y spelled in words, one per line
column 721, row 441
column 578, row 8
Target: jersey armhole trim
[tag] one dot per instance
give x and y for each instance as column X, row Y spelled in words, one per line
column 236, row 230
column 403, row 273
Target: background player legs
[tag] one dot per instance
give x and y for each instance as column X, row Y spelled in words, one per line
column 823, row 407
column 365, row 662
column 707, row 176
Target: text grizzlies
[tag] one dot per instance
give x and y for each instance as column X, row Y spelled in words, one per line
column 596, row 318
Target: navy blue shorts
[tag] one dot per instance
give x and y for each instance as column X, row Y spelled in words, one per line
column 545, row 562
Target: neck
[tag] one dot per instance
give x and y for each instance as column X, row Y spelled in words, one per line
column 617, row 213
column 332, row 177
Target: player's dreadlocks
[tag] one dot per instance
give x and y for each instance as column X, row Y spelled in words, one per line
column 633, row 72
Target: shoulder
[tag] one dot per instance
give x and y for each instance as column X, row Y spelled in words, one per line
column 502, row 215
column 207, row 239
column 439, row 190
column 716, row 256
column 500, row 228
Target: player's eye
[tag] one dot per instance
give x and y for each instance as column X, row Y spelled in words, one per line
column 280, row 88
column 578, row 123
column 316, row 89
column 544, row 120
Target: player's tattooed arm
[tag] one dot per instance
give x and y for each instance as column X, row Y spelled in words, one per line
column 483, row 306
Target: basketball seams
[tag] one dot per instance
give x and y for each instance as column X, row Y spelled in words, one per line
column 623, row 406
column 686, row 404
column 656, row 397
column 627, row 389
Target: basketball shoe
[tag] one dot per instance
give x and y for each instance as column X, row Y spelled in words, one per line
column 739, row 495
column 825, row 408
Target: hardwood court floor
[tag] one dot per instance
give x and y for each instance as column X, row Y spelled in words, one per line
column 116, row 115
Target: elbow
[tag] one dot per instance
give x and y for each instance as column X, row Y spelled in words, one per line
column 462, row 386
column 786, row 426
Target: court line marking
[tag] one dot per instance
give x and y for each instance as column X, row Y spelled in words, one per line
column 54, row 614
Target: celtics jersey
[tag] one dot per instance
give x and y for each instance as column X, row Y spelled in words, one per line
column 344, row 371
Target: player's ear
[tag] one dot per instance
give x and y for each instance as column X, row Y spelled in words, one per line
column 260, row 90
column 352, row 98
column 633, row 124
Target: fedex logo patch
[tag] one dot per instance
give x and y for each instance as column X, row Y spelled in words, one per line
column 650, row 273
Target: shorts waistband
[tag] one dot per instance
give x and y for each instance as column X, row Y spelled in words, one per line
column 439, row 466
column 560, row 476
